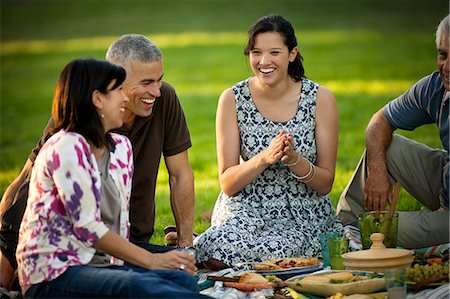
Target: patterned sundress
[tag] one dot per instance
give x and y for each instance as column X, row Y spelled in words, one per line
column 276, row 215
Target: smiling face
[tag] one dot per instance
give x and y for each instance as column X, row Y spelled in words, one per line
column 142, row 86
column 443, row 60
column 113, row 107
column 270, row 57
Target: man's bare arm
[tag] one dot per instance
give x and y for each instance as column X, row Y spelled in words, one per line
column 377, row 190
column 182, row 196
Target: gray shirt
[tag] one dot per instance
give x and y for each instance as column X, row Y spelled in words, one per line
column 426, row 102
column 109, row 207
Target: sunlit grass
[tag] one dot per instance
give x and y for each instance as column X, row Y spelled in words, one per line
column 367, row 52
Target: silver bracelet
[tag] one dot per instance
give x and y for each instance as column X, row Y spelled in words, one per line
column 312, row 177
column 295, row 163
column 311, row 169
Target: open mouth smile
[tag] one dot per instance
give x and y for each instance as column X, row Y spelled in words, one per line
column 148, row 101
column 267, row 71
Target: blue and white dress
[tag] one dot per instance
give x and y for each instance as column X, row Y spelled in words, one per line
column 276, row 215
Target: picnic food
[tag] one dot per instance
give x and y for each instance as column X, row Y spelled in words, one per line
column 249, row 277
column 249, row 281
column 346, row 282
column 289, row 293
column 421, row 272
column 285, row 263
column 339, row 277
column 431, row 258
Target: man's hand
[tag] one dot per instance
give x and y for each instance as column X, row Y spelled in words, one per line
column 377, row 192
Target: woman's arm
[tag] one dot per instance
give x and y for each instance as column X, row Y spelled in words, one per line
column 233, row 175
column 326, row 135
column 117, row 246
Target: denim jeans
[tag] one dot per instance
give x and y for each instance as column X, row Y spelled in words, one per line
column 117, row 282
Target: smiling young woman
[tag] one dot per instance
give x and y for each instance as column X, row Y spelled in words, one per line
column 274, row 203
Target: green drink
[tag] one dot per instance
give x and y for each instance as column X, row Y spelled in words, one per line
column 377, row 222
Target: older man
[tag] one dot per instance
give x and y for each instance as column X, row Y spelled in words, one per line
column 156, row 124
column 422, row 171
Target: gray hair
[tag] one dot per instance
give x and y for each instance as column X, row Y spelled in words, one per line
column 442, row 29
column 133, row 47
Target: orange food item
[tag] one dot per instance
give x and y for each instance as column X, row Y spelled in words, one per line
column 434, row 260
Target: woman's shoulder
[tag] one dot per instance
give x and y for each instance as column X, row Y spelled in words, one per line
column 310, row 84
column 322, row 91
column 241, row 84
column 120, row 140
column 64, row 138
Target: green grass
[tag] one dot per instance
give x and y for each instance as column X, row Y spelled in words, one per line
column 366, row 51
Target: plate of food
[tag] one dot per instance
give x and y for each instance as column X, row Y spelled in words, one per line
column 329, row 282
column 285, row 268
column 428, row 271
column 249, row 282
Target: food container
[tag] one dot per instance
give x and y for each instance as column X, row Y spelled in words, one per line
column 378, row 222
column 378, row 258
column 319, row 283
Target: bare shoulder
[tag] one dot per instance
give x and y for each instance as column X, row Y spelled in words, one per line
column 227, row 95
column 325, row 95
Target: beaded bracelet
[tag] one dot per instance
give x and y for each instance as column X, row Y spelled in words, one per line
column 295, row 163
column 311, row 170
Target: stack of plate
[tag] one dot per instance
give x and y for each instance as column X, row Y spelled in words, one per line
column 378, row 258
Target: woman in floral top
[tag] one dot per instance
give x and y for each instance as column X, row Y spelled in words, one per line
column 62, row 229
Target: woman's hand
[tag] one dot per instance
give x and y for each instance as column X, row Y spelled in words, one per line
column 117, row 246
column 174, row 260
column 290, row 155
column 275, row 151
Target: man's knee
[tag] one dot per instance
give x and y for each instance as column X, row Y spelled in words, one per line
column 420, row 229
column 397, row 147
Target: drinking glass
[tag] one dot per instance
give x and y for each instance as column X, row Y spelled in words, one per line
column 395, row 283
column 324, row 238
column 338, row 246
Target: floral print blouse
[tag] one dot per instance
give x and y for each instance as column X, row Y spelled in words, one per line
column 62, row 220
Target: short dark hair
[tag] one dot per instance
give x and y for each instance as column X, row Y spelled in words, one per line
column 133, row 47
column 276, row 23
column 72, row 108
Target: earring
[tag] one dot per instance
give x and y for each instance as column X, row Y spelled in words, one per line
column 102, row 115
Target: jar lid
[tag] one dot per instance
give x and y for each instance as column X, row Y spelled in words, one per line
column 377, row 251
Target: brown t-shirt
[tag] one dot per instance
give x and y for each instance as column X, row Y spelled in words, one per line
column 165, row 132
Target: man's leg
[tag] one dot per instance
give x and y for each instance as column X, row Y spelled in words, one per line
column 415, row 166
column 154, row 248
column 6, row 272
column 423, row 228
column 351, row 204
column 10, row 222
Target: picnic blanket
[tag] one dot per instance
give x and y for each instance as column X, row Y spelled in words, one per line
column 217, row 290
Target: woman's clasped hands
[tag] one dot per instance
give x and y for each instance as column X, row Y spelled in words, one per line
column 282, row 149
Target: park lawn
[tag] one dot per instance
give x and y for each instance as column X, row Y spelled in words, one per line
column 367, row 52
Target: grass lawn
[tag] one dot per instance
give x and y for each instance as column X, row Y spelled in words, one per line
column 366, row 51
